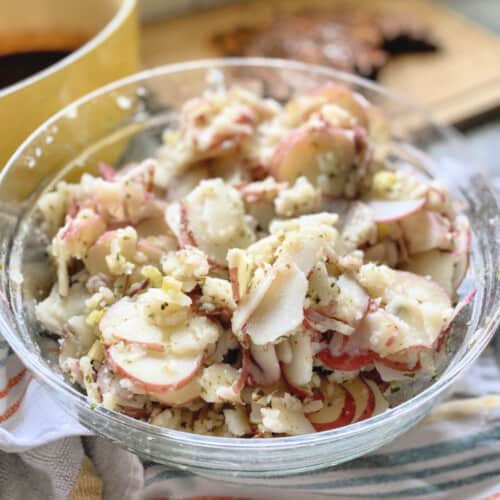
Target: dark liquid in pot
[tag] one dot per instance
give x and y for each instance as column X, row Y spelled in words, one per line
column 16, row 67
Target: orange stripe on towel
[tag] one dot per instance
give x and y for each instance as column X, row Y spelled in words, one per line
column 12, row 382
column 13, row 409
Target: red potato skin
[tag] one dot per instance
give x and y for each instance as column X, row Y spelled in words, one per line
column 441, row 340
column 417, row 208
column 398, row 366
column 312, row 316
column 370, row 405
column 243, row 378
column 334, row 92
column 287, row 144
column 329, row 312
column 345, row 417
column 233, row 278
column 346, row 362
column 283, row 149
column 140, row 413
column 150, row 346
column 186, row 237
column 107, row 172
column 70, row 228
column 145, row 385
column 152, row 251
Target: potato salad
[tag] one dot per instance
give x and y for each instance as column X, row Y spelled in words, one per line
column 272, row 271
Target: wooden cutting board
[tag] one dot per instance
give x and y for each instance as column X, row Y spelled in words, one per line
column 460, row 81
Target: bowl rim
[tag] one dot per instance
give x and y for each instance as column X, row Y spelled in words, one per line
column 228, row 443
column 122, row 12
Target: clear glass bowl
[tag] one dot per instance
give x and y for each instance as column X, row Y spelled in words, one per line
column 124, row 122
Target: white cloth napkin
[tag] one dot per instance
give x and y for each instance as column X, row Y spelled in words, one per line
column 455, row 454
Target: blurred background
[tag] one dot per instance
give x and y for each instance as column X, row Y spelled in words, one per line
column 444, row 54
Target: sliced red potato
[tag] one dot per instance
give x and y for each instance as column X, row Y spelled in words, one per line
column 392, row 374
column 152, row 252
column 304, row 248
column 316, row 320
column 385, row 334
column 194, row 336
column 81, row 231
column 404, row 361
column 384, row 252
column 179, row 397
column 355, row 104
column 358, row 227
column 467, row 300
column 352, row 301
column 338, row 410
column 217, row 382
column 244, row 371
column 153, row 372
column 264, row 366
column 418, row 287
column 175, row 216
column 298, row 372
column 439, row 265
column 259, row 191
column 425, row 231
column 280, row 310
column 390, row 211
column 240, row 272
column 95, row 257
column 215, row 218
column 337, row 344
column 284, row 351
column 106, row 171
column 321, row 284
column 416, row 310
column 251, row 300
column 346, row 361
column 462, row 244
column 297, row 154
column 124, row 321
column 285, row 420
column 364, row 399
column 381, row 403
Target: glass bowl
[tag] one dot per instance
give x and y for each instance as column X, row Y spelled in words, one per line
column 123, row 122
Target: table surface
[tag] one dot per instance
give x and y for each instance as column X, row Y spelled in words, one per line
column 483, row 137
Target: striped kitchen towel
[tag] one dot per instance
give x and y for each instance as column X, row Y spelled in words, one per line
column 28, row 416
column 454, row 454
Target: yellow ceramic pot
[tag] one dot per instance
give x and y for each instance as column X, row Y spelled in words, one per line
column 106, row 34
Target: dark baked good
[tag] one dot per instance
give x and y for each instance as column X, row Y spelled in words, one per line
column 345, row 40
